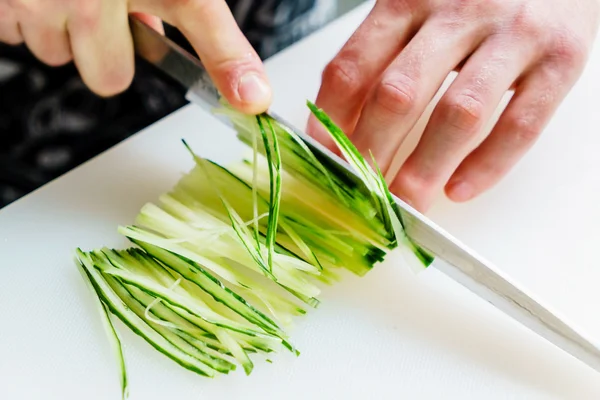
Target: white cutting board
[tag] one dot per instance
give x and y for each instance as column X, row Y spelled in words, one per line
column 389, row 335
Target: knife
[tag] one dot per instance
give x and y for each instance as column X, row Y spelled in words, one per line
column 452, row 257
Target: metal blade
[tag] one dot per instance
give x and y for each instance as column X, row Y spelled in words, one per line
column 481, row 277
column 452, row 257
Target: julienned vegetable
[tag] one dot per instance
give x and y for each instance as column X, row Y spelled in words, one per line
column 223, row 262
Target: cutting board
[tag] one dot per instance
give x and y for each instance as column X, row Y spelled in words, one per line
column 392, row 334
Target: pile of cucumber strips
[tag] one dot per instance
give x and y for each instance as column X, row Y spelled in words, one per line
column 220, row 265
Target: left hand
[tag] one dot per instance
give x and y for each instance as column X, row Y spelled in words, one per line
column 96, row 36
column 382, row 80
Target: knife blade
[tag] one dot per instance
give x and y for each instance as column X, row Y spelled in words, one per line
column 452, row 257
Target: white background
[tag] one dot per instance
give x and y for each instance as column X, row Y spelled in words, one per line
column 389, row 335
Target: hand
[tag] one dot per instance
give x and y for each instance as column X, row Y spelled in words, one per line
column 95, row 34
column 381, row 81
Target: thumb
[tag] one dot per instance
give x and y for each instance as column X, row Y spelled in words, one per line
column 230, row 60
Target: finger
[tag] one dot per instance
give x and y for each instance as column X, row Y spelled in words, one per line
column 230, row 60
column 348, row 78
column 45, row 35
column 9, row 28
column 152, row 21
column 407, row 87
column 536, row 99
column 102, row 45
column 458, row 119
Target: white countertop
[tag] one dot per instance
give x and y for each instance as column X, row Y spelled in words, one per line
column 389, row 335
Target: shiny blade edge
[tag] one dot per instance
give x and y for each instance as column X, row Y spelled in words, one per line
column 489, row 283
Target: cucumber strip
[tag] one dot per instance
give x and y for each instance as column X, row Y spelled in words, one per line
column 158, row 220
column 237, row 350
column 306, row 291
column 311, row 301
column 302, row 201
column 200, row 219
column 188, row 327
column 254, row 189
column 112, row 334
column 187, row 216
column 236, row 221
column 203, row 346
column 315, row 162
column 263, row 343
column 219, row 364
column 423, row 256
column 355, row 159
column 176, row 321
column 192, row 305
column 274, row 162
column 127, row 294
column 302, row 246
column 138, row 325
column 374, row 181
column 179, row 298
column 137, row 234
column 155, row 218
column 195, row 273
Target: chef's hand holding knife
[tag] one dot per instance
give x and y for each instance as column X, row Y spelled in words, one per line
column 95, row 34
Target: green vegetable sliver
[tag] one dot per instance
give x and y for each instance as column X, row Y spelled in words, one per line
column 195, row 273
column 109, row 328
column 131, row 295
column 274, row 162
column 138, row 325
column 374, row 181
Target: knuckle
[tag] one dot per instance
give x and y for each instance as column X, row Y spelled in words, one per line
column 569, row 49
column 416, row 179
column 397, row 96
column 528, row 22
column 88, row 13
column 524, row 130
column 462, row 7
column 229, row 71
column 416, row 184
column 24, row 7
column 5, row 14
column 342, row 76
column 449, row 20
column 183, row 8
column 401, row 7
column 494, row 5
column 490, row 167
column 182, row 3
column 464, row 111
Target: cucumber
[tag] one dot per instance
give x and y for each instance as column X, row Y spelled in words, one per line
column 223, row 263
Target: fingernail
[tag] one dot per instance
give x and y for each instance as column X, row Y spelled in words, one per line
column 461, row 191
column 253, row 89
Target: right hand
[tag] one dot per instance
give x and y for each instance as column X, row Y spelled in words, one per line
column 95, row 35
